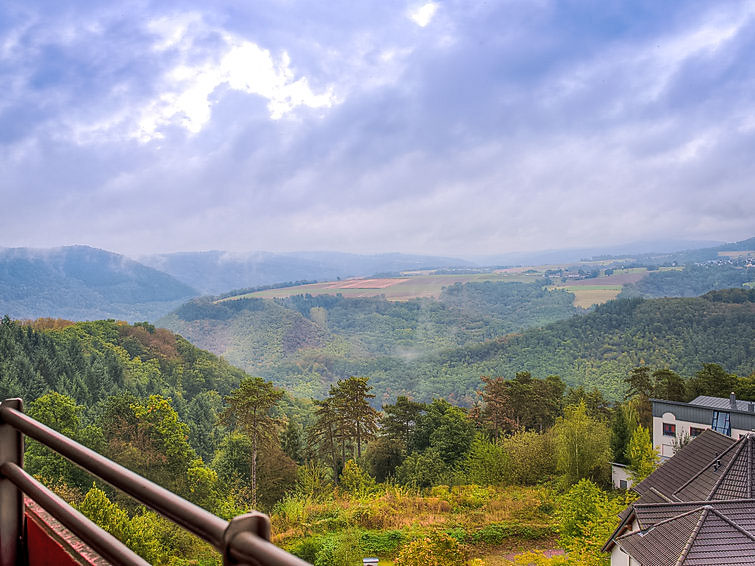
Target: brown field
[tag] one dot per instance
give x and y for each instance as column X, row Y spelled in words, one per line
column 366, row 283
column 427, row 285
column 394, row 289
column 618, row 278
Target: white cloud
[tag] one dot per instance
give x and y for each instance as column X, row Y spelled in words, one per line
column 423, row 15
column 243, row 65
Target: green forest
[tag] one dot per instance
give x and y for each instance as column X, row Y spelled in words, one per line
column 345, row 475
column 442, row 348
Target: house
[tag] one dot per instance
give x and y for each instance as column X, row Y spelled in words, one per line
column 697, row 508
column 673, row 420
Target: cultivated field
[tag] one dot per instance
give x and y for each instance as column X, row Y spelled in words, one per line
column 426, row 284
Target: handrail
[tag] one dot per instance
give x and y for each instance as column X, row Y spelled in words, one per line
column 105, row 544
column 245, row 539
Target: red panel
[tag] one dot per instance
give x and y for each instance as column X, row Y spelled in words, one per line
column 43, row 548
column 50, row 543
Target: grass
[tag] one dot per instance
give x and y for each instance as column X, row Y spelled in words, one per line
column 489, row 521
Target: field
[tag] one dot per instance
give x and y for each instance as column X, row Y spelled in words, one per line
column 394, row 289
column 426, row 284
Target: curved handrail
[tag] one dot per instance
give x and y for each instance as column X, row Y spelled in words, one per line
column 245, row 539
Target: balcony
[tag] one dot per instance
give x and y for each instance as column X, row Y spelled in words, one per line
column 37, row 527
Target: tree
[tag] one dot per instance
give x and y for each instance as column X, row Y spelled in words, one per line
column 669, row 385
column 487, row 463
column 382, row 456
column 582, row 445
column 324, row 432
column 531, row 456
column 400, row 419
column 712, row 380
column 623, row 424
column 641, row 455
column 350, row 400
column 640, row 389
column 249, row 410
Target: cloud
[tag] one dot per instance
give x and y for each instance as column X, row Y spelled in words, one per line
column 423, row 15
column 447, row 128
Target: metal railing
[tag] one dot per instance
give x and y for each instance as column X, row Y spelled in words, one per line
column 243, row 540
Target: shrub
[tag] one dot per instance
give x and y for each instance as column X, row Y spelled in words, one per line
column 381, row 543
column 435, row 550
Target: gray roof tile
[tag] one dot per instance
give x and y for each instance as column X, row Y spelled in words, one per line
column 700, row 537
column 676, row 471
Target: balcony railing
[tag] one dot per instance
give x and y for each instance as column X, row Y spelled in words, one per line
column 243, row 540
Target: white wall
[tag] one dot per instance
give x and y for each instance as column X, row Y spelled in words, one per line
column 619, row 473
column 619, row 557
column 664, row 445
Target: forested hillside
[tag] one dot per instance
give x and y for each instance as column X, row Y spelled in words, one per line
column 306, row 342
column 692, row 281
column 598, row 349
column 84, row 283
column 427, row 349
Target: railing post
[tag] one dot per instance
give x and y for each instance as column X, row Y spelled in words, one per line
column 11, row 498
column 255, row 522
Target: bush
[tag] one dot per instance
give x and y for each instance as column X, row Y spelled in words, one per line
column 381, row 543
column 339, row 551
column 531, row 457
column 435, row 550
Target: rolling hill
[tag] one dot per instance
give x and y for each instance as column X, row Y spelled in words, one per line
column 215, row 272
column 84, row 283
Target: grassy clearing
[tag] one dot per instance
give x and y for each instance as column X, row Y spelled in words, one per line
column 490, row 522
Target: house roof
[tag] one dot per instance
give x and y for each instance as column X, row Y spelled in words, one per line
column 731, row 475
column 686, row 464
column 741, row 511
column 721, row 403
column 702, row 536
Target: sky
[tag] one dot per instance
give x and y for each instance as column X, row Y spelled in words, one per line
column 444, row 127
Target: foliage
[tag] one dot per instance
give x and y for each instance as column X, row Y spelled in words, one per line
column 587, row 517
column 422, row 469
column 354, row 480
column 249, row 409
column 582, row 445
column 487, row 463
column 643, row 459
column 522, row 402
column 532, row 456
column 436, row 550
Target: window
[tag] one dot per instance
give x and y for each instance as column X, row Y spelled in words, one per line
column 694, row 431
column 721, row 423
column 623, row 484
column 669, row 429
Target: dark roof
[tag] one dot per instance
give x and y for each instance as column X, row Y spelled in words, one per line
column 729, row 476
column 702, row 536
column 628, row 515
column 677, row 471
column 741, row 511
column 720, row 403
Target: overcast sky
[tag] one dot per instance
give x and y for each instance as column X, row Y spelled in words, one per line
column 443, row 127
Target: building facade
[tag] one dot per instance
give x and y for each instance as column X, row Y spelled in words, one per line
column 673, row 420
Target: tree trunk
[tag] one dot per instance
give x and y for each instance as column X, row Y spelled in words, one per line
column 254, row 470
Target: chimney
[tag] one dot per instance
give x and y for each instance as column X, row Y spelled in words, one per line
column 751, row 407
column 733, row 400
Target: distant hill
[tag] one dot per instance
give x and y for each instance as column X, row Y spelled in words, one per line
column 693, row 254
column 576, row 254
column 216, row 272
column 691, row 281
column 304, row 342
column 84, row 283
column 429, row 349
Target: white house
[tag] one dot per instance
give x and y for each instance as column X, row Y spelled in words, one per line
column 672, row 420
